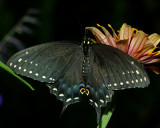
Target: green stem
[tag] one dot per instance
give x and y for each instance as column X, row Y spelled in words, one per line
column 6, row 68
column 106, row 116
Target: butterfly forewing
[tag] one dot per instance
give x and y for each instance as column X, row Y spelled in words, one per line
column 118, row 69
column 45, row 62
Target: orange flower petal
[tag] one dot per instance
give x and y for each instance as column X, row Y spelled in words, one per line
column 144, row 50
column 114, row 34
column 100, row 37
column 125, row 32
column 154, row 39
column 145, row 58
column 153, row 61
column 137, row 42
column 108, row 35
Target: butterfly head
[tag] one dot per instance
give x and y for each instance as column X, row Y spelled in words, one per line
column 87, row 41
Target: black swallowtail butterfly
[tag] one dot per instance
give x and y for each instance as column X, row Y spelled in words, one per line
column 71, row 69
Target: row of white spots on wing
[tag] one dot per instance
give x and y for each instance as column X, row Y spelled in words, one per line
column 54, row 89
column 127, row 82
column 132, row 62
column 115, row 84
column 30, row 72
column 131, row 72
column 137, row 71
column 76, row 98
column 90, row 100
column 95, row 104
column 52, row 79
column 69, row 99
column 101, row 100
column 36, row 74
column 109, row 85
column 26, row 53
column 121, row 83
column 61, row 95
column 20, row 60
column 44, row 77
column 107, row 96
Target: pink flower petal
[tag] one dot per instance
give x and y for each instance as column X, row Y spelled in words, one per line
column 108, row 35
column 154, row 39
column 144, row 50
column 126, row 32
column 143, row 58
column 100, row 37
column 114, row 34
column 153, row 61
column 97, row 34
column 137, row 42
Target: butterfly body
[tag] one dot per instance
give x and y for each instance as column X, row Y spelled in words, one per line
column 71, row 69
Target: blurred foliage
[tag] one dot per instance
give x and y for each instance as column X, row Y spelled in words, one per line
column 66, row 20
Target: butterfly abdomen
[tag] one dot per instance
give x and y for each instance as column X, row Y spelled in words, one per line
column 85, row 67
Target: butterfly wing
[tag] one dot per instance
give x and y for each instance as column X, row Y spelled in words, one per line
column 68, row 86
column 112, row 69
column 59, row 64
column 45, row 62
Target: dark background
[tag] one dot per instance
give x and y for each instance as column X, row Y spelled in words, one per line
column 66, row 20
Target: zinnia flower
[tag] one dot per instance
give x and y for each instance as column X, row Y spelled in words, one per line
column 137, row 44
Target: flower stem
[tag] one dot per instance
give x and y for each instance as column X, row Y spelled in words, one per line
column 106, row 116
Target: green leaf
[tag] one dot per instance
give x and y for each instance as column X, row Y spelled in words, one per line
column 6, row 68
column 106, row 117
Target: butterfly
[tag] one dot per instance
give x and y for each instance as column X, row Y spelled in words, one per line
column 71, row 69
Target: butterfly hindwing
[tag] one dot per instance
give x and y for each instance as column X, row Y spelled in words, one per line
column 68, row 86
column 99, row 94
column 45, row 62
